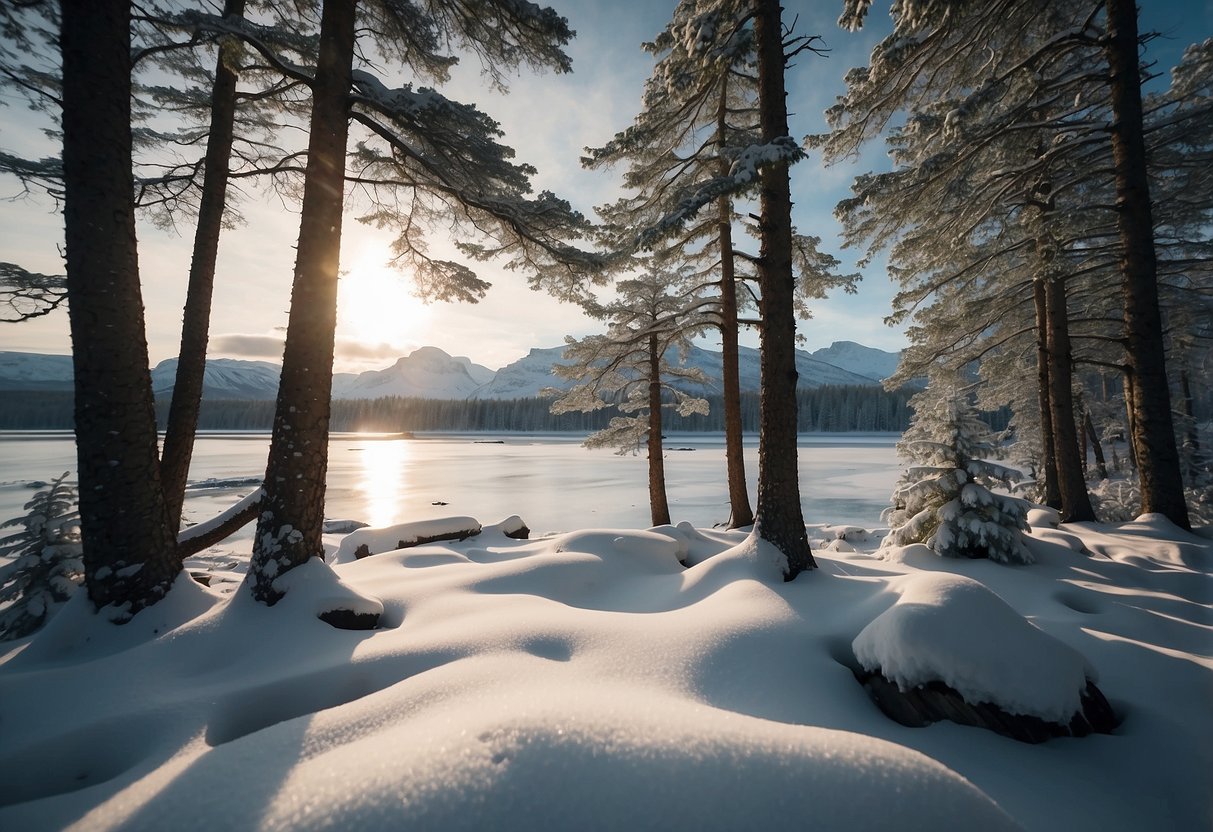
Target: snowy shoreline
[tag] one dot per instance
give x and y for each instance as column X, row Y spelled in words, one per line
column 590, row 680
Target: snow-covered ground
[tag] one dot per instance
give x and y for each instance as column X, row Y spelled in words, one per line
column 590, row 680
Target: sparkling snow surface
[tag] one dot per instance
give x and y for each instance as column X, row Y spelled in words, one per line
column 589, row 681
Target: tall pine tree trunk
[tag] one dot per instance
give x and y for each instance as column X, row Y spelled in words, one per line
column 659, row 507
column 290, row 524
column 129, row 547
column 1071, row 481
column 1130, row 392
column 1191, row 444
column 1101, row 465
column 740, row 513
column 1154, row 437
column 779, row 520
column 1052, row 494
column 195, row 329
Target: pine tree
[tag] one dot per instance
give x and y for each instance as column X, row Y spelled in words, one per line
column 129, row 554
column 779, row 519
column 699, row 113
column 170, row 184
column 629, row 367
column 1153, row 430
column 1005, row 143
column 944, row 499
column 444, row 155
column 290, row 524
column 44, row 567
column 222, row 108
column 699, row 105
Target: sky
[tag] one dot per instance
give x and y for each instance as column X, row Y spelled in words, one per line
column 548, row 119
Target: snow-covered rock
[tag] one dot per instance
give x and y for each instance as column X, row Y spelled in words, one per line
column 953, row 629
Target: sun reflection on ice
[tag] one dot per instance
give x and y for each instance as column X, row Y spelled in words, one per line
column 384, row 479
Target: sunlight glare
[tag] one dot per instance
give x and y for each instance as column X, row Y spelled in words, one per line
column 375, row 304
column 384, row 479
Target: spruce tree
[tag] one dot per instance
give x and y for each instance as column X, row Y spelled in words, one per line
column 44, row 566
column 945, row 497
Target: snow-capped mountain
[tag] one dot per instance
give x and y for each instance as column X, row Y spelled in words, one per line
column 865, row 361
column 529, row 375
column 427, row 373
column 35, row 371
column 223, row 378
column 431, row 373
column 525, row 377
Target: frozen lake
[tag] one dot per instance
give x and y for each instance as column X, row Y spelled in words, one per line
column 552, row 482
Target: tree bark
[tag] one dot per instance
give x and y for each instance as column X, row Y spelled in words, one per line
column 779, row 519
column 659, row 507
column 289, row 528
column 195, row 329
column 1154, row 437
column 1101, row 465
column 740, row 513
column 129, row 547
column 1071, row 482
column 1052, row 494
column 1130, row 393
column 1191, row 436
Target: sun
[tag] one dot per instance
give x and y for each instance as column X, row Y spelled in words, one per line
column 375, row 305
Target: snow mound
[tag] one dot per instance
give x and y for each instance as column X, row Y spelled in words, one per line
column 314, row 588
column 1043, row 517
column 592, row 681
column 78, row 634
column 953, row 629
column 524, row 759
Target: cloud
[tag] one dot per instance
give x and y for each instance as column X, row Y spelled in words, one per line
column 248, row 346
column 351, row 349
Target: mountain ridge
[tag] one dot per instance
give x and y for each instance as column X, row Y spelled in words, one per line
column 430, row 372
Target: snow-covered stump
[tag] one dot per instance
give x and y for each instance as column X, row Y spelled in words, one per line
column 364, row 542
column 951, row 649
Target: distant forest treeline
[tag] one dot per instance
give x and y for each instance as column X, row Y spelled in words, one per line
column 832, row 409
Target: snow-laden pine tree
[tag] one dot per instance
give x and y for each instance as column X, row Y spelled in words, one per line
column 699, row 112
column 699, row 105
column 945, row 498
column 43, row 565
column 715, row 25
column 637, row 366
column 1007, row 105
column 442, row 161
